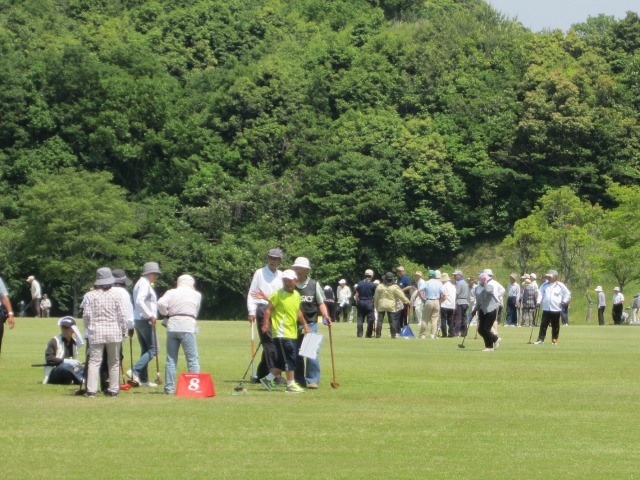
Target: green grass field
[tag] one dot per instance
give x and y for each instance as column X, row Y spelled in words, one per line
column 405, row 409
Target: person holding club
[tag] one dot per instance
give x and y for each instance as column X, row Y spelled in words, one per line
column 61, row 355
column 552, row 296
column 106, row 324
column 265, row 282
column 282, row 316
column 488, row 300
column 145, row 313
column 181, row 306
column 307, row 370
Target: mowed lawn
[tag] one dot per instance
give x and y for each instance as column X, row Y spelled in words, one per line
column 404, row 409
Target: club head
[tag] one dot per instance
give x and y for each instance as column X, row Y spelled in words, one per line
column 238, row 388
column 335, row 384
column 461, row 345
column 158, row 380
column 125, row 387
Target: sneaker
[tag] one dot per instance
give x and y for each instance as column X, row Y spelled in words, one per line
column 421, row 337
column 148, row 384
column 108, row 393
column 294, row 388
column 554, row 343
column 90, row 394
column 497, row 343
column 312, row 386
column 268, row 384
column 281, row 380
column 538, row 342
column 488, row 350
column 433, row 337
column 133, row 377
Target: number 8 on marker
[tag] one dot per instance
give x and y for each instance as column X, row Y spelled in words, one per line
column 194, row 384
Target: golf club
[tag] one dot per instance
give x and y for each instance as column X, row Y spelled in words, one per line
column 21, row 314
column 253, row 347
column 461, row 345
column 241, row 384
column 155, row 342
column 130, row 382
column 83, row 388
column 334, row 384
column 533, row 324
column 124, row 385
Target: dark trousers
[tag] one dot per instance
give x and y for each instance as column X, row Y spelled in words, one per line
column 365, row 308
column 269, row 350
column 332, row 310
column 393, row 318
column 512, row 311
column 565, row 314
column 344, row 310
column 36, row 307
column 616, row 313
column 552, row 318
column 485, row 322
column 1, row 334
column 63, row 374
column 601, row 315
column 460, row 321
column 446, row 320
column 403, row 319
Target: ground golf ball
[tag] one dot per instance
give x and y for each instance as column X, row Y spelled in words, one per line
column 244, row 390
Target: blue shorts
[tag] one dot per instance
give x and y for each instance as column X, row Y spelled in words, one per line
column 286, row 353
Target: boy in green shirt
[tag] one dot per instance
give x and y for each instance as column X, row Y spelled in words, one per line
column 282, row 316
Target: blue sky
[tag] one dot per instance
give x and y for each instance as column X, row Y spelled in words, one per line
column 540, row 14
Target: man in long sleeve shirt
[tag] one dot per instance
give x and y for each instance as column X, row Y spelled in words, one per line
column 267, row 280
column 552, row 295
column 488, row 300
column 602, row 303
column 513, row 296
column 145, row 313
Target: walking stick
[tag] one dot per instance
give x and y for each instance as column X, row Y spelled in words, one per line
column 535, row 316
column 253, row 348
column 334, row 384
column 155, row 342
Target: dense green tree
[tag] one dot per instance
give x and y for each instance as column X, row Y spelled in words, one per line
column 70, row 224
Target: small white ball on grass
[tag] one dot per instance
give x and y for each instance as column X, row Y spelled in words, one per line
column 244, row 390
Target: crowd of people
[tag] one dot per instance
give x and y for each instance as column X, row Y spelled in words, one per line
column 285, row 306
column 110, row 314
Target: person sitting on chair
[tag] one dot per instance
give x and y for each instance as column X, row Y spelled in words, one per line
column 61, row 354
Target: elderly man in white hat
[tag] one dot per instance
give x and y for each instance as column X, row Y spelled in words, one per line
column 145, row 314
column 602, row 304
column 106, row 324
column 36, row 294
column 488, row 299
column 181, row 306
column 307, row 371
column 61, row 355
column 618, row 306
column 344, row 300
column 552, row 296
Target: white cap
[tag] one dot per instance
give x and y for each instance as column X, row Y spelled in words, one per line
column 289, row 275
column 342, row 281
column 598, row 288
column 533, row 276
column 488, row 272
column 302, row 262
column 616, row 289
